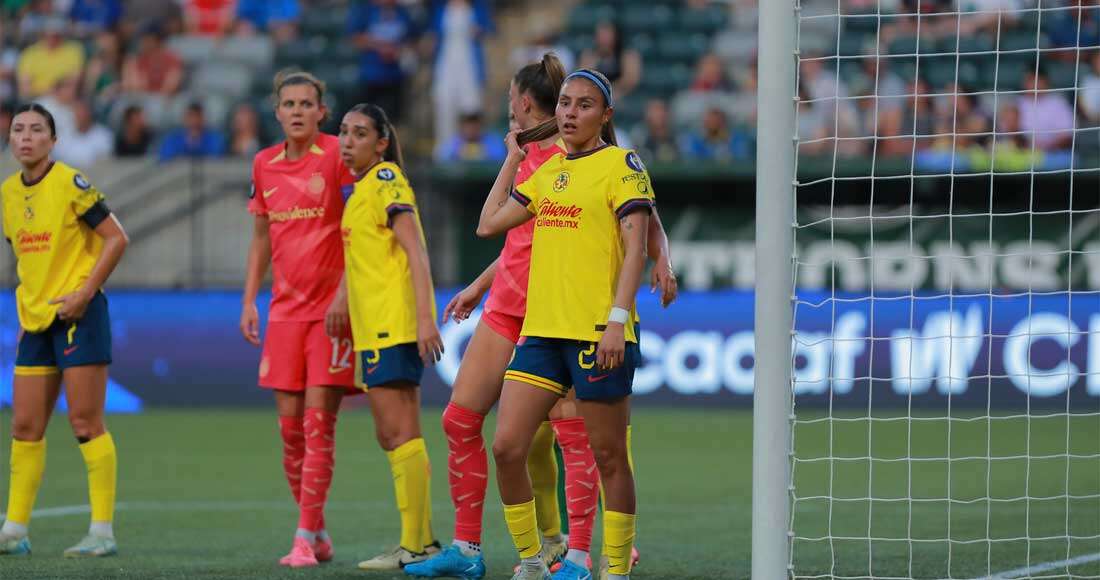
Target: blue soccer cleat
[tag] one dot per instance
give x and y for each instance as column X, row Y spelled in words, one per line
column 11, row 545
column 450, row 563
column 571, row 571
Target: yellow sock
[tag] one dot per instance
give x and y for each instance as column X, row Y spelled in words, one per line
column 522, row 523
column 426, row 524
column 28, row 461
column 102, row 462
column 618, row 533
column 542, row 466
column 409, row 464
column 603, row 496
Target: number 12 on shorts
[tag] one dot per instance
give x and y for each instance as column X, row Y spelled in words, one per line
column 342, row 352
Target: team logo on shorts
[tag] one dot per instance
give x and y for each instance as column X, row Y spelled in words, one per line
column 79, row 181
column 634, row 162
column 562, row 181
column 386, row 174
column 316, row 183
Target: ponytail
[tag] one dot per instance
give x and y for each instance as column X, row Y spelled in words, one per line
column 542, row 81
column 385, row 130
column 607, row 133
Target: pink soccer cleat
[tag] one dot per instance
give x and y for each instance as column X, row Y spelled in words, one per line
column 323, row 550
column 301, row 555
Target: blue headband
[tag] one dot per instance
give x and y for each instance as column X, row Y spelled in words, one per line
column 604, row 87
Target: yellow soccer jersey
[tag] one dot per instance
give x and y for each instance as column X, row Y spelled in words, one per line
column 381, row 299
column 49, row 224
column 577, row 251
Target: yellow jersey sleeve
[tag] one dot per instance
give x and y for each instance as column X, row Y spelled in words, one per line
column 87, row 202
column 527, row 193
column 630, row 188
column 395, row 195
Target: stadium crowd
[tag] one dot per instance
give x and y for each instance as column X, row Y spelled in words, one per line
column 134, row 77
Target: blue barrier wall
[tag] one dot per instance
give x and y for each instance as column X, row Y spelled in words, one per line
column 184, row 349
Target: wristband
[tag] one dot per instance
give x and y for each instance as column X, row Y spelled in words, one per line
column 619, row 315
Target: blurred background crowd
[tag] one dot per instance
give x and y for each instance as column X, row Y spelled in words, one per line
column 948, row 83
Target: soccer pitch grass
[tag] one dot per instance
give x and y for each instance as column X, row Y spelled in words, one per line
column 202, row 496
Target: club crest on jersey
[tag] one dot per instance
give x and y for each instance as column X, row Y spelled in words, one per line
column 316, row 183
column 634, row 162
column 386, row 174
column 79, row 181
column 28, row 214
column 562, row 181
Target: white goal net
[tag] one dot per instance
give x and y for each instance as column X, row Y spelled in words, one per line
column 946, row 340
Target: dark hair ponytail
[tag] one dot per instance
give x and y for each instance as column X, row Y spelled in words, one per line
column 607, row 133
column 46, row 114
column 385, row 130
column 542, row 80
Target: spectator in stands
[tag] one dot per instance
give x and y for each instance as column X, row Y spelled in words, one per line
column 1063, row 26
column 155, row 69
column 194, row 138
column 38, row 17
column 541, row 39
column 710, row 75
column 142, row 13
column 279, row 18
column 9, row 60
column 919, row 117
column 244, row 131
column 89, row 142
column 208, row 17
column 91, row 17
column 1008, row 148
column 48, row 61
column 382, row 30
column 472, row 143
column 7, row 112
column 103, row 75
column 960, row 123
column 1046, row 116
column 135, row 137
column 986, row 16
column 458, row 28
column 654, row 139
column 716, row 142
column 61, row 102
column 621, row 65
column 1090, row 91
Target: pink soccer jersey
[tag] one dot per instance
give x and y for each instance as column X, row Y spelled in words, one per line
column 508, row 294
column 303, row 201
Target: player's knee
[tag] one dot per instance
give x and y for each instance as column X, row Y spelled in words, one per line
column 506, row 453
column 610, row 459
column 27, row 428
column 86, row 426
column 455, row 427
column 390, row 438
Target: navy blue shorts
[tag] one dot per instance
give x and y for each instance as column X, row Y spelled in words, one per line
column 555, row 364
column 398, row 363
column 67, row 344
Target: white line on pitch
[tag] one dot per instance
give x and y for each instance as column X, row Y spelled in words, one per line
column 1044, row 567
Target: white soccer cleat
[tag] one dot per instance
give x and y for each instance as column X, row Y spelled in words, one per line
column 398, row 558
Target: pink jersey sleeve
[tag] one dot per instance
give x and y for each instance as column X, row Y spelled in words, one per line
column 256, row 205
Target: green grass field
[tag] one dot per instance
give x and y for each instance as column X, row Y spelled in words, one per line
column 202, row 496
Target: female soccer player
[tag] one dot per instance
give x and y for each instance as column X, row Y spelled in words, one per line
column 389, row 283
column 533, row 96
column 297, row 203
column 66, row 245
column 591, row 209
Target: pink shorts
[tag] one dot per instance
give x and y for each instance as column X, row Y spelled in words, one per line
column 301, row 354
column 505, row 325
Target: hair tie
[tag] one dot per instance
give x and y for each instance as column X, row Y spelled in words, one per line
column 600, row 84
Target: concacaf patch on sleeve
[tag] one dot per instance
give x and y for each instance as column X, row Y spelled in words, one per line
column 252, row 190
column 634, row 162
column 81, row 182
column 386, row 174
column 347, row 190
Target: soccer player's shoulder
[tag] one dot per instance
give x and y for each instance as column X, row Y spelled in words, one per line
column 10, row 182
column 386, row 173
column 63, row 176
